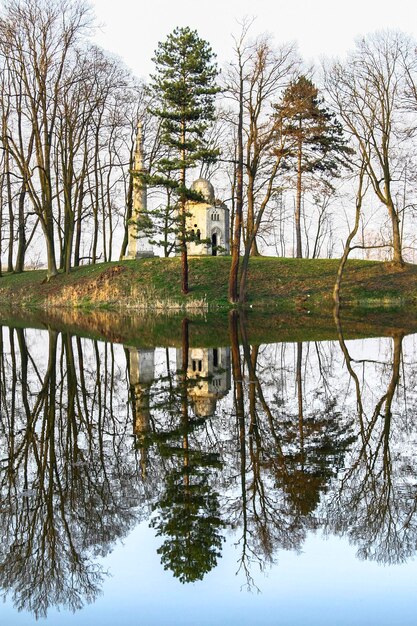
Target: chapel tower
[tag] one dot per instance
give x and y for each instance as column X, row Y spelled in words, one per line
column 138, row 244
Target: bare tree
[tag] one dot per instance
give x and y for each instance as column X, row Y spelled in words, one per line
column 348, row 244
column 254, row 81
column 367, row 90
column 36, row 40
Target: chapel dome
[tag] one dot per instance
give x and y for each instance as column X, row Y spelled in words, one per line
column 205, row 188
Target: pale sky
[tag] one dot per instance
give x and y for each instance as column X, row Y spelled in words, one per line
column 321, row 27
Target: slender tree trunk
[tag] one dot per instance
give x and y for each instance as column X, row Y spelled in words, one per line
column 243, row 282
column 234, row 267
column 110, row 217
column 299, row 382
column 297, row 216
column 69, row 244
column 183, row 235
column 78, row 224
column 21, row 247
column 253, row 234
column 97, row 187
column 128, row 215
column 68, row 219
column 184, row 397
column 347, row 248
column 50, row 246
column 251, row 216
column 1, row 226
column 166, row 226
column 184, row 256
column 11, row 213
column 395, row 378
column 246, row 255
column 103, row 215
column 238, row 403
column 397, row 256
column 397, row 339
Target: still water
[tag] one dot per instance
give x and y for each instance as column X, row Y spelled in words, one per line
column 194, row 483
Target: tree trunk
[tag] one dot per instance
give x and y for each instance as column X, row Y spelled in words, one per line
column 299, row 383
column 244, row 274
column 185, row 344
column 297, row 216
column 128, row 215
column 50, row 248
column 234, row 267
column 68, row 223
column 77, row 245
column 11, row 215
column 347, row 248
column 183, row 231
column 184, row 256
column 68, row 245
column 397, row 256
column 250, row 225
column 21, row 247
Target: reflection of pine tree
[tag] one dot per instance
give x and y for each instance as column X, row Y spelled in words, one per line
column 189, row 519
column 188, row 508
column 314, row 448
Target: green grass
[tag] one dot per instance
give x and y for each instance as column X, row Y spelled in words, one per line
column 298, row 285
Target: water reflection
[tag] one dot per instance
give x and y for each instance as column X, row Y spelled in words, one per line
column 69, row 486
column 264, row 442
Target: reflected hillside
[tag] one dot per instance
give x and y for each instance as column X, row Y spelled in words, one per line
column 145, row 330
column 257, row 443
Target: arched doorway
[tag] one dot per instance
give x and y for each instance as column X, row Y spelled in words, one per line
column 214, row 244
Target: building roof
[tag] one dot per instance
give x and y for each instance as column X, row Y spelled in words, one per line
column 205, row 188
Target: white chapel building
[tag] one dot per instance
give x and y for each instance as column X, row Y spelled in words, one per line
column 208, row 222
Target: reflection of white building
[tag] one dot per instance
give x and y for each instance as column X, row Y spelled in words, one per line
column 208, row 222
column 142, row 375
column 208, row 376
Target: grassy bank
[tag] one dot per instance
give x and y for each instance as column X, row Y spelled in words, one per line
column 285, row 284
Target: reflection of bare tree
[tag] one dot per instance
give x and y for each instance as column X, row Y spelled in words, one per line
column 65, row 496
column 376, row 501
column 264, row 513
column 314, row 444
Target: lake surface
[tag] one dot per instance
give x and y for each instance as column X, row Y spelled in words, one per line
column 195, row 483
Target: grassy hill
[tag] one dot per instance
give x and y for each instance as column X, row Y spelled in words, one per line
column 284, row 284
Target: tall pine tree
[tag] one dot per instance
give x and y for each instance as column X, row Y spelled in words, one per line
column 184, row 90
column 313, row 136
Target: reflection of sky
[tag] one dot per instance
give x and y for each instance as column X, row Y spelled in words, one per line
column 325, row 585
